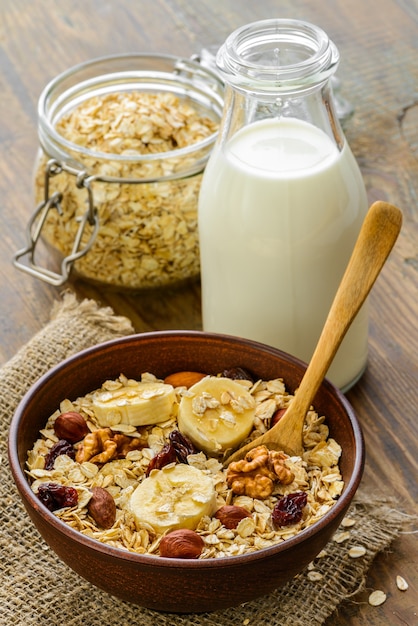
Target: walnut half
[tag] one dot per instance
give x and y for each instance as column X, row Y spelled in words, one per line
column 256, row 474
column 103, row 445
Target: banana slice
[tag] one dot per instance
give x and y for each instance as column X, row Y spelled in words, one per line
column 138, row 404
column 217, row 414
column 176, row 496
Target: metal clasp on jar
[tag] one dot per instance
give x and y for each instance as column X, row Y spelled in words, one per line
column 37, row 221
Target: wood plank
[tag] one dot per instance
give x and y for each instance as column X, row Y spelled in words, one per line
column 379, row 73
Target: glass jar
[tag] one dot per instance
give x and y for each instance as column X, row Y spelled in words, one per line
column 282, row 198
column 123, row 144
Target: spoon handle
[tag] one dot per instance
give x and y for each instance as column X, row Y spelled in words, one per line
column 378, row 234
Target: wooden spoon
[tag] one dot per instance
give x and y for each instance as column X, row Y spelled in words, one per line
column 375, row 241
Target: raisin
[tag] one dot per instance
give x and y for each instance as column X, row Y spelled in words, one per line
column 182, row 445
column 237, row 373
column 289, row 509
column 56, row 496
column 166, row 456
column 61, row 447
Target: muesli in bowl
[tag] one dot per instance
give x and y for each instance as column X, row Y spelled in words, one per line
column 132, row 461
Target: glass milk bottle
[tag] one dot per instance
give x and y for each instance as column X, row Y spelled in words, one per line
column 282, row 198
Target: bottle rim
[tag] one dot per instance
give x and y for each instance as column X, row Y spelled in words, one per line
column 277, row 55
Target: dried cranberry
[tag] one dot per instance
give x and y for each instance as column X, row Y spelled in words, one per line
column 182, row 445
column 289, row 509
column 237, row 373
column 166, row 456
column 56, row 496
column 61, row 447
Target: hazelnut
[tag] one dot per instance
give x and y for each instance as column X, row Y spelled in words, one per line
column 184, row 379
column 182, row 544
column 276, row 417
column 231, row 515
column 102, row 507
column 71, row 426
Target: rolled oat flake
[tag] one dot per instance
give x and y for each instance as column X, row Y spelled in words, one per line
column 356, row 552
column 377, row 598
column 401, row 583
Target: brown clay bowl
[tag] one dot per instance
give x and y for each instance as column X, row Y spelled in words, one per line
column 178, row 585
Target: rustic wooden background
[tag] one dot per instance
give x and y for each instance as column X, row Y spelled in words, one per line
column 378, row 42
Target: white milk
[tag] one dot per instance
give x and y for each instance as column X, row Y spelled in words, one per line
column 279, row 212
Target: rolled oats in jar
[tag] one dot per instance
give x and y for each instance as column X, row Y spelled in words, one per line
column 123, row 144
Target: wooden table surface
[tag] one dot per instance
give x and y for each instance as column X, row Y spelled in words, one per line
column 378, row 43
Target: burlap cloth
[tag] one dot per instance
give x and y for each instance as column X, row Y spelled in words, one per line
column 38, row 589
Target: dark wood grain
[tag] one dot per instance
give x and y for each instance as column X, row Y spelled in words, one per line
column 378, row 43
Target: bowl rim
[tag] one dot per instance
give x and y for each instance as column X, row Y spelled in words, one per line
column 30, row 499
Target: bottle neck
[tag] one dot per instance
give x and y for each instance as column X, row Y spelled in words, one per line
column 279, row 69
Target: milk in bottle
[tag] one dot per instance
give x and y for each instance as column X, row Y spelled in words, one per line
column 280, row 209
